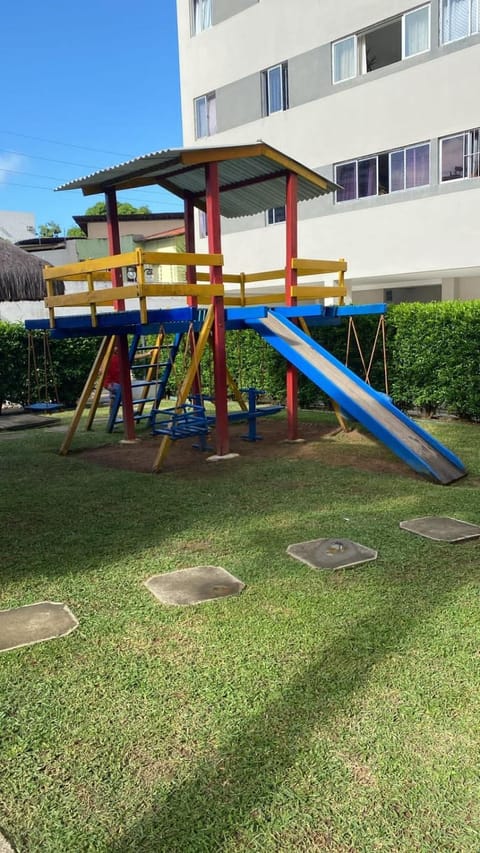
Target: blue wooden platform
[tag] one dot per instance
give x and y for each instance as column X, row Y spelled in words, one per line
column 180, row 319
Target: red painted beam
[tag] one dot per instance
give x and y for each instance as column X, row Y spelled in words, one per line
column 191, row 275
column 216, row 277
column 113, row 233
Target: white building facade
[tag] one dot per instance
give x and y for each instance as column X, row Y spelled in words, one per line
column 377, row 95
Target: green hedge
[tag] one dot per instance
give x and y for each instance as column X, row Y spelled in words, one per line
column 433, row 359
column 71, row 362
column 434, row 356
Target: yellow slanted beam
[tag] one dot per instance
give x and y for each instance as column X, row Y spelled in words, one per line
column 187, row 383
column 127, row 259
column 101, row 360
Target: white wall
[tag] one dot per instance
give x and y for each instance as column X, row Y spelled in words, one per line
column 429, row 234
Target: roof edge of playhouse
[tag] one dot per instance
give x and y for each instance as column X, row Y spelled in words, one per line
column 255, row 168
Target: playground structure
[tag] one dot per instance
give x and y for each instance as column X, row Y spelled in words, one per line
column 230, row 182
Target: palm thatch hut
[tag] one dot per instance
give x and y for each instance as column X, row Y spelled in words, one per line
column 21, row 275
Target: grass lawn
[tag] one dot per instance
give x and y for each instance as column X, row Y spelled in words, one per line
column 314, row 712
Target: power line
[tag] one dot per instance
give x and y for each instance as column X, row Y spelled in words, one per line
column 64, row 144
column 48, row 159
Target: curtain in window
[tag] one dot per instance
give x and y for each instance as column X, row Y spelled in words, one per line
column 211, row 114
column 274, row 89
column 474, row 22
column 417, row 166
column 202, row 14
column 344, row 60
column 417, row 32
column 201, row 119
column 346, row 177
column 455, row 20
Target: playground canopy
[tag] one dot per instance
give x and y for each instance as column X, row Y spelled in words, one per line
column 251, row 177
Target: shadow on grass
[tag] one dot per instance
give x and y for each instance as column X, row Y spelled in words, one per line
column 231, row 792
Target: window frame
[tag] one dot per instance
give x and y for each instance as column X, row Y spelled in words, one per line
column 209, row 98
column 467, row 157
column 405, row 15
column 194, row 6
column 266, row 98
column 359, row 37
column 377, row 158
column 354, row 37
column 404, row 150
column 471, row 31
column 270, row 213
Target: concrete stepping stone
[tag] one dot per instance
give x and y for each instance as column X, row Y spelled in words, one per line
column 442, row 528
column 5, row 847
column 34, row 623
column 194, row 585
column 331, row 553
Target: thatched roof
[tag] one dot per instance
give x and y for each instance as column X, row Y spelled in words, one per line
column 21, row 276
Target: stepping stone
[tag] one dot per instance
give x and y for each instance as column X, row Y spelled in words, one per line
column 4, row 845
column 331, row 553
column 442, row 528
column 34, row 623
column 194, row 585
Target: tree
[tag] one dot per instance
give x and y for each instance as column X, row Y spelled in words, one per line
column 75, row 232
column 50, row 229
column 124, row 209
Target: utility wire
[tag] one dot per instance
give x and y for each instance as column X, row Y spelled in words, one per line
column 64, row 144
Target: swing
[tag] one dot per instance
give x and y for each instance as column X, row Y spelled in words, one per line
column 367, row 368
column 40, row 367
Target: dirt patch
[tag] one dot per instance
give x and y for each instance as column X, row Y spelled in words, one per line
column 320, row 444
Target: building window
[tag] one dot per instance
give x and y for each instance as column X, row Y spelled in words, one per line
column 460, row 156
column 382, row 45
column 276, row 214
column 460, row 18
column 202, row 224
column 275, row 89
column 409, row 168
column 205, row 115
column 201, row 15
column 388, row 172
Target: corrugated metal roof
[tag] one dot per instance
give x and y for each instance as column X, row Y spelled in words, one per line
column 252, row 177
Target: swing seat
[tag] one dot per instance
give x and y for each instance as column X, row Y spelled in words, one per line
column 43, row 407
column 180, row 421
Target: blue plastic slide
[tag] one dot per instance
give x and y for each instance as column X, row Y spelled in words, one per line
column 374, row 410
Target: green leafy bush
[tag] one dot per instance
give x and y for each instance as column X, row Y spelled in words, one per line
column 434, row 356
column 71, row 362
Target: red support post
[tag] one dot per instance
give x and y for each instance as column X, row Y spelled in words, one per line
column 290, row 299
column 216, row 277
column 191, row 276
column 113, row 233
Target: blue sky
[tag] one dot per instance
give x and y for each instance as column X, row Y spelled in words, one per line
column 84, row 86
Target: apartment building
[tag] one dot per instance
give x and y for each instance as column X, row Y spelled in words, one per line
column 377, row 95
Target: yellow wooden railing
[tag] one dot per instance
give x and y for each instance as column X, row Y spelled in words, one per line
column 98, row 270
